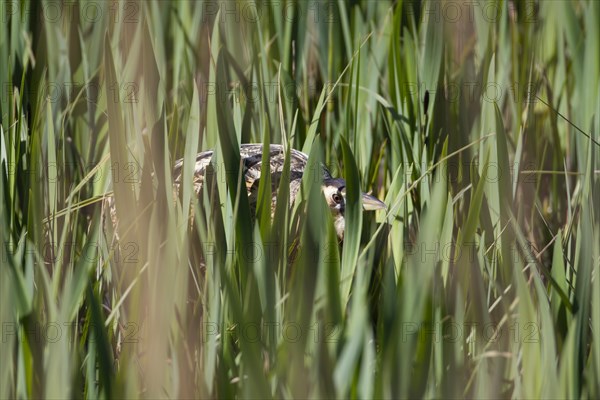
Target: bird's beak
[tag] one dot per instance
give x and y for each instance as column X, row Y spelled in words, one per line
column 372, row 203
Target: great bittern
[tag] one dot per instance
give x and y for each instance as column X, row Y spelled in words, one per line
column 334, row 189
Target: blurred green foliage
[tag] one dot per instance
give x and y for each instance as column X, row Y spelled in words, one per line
column 476, row 122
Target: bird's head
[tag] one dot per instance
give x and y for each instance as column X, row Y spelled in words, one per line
column 334, row 191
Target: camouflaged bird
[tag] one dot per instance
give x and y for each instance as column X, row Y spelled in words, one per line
column 334, row 189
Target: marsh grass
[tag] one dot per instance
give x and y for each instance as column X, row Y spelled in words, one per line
column 481, row 134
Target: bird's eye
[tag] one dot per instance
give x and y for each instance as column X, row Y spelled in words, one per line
column 336, row 198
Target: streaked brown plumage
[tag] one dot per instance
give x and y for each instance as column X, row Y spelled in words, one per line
column 334, row 189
